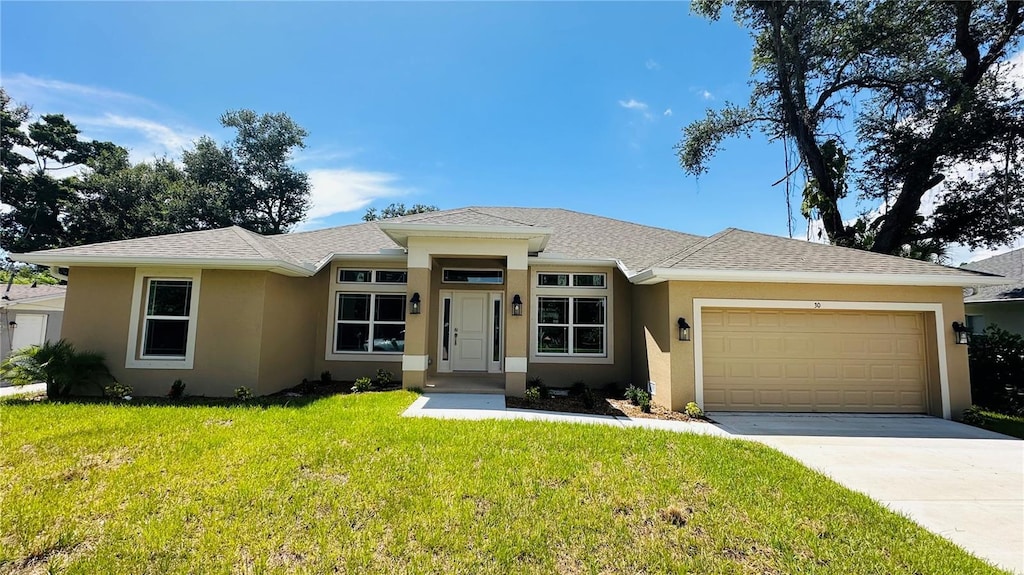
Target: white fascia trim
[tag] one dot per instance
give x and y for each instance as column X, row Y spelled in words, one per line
column 276, row 266
column 400, row 233
column 698, row 343
column 1006, row 300
column 658, row 275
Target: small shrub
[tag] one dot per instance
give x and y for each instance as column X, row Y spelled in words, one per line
column 177, row 390
column 243, row 393
column 532, row 394
column 613, row 389
column 996, row 363
column 325, row 377
column 118, row 391
column 62, row 367
column 635, row 395
column 972, row 416
column 589, row 401
column 578, row 388
column 417, row 390
column 645, row 402
column 384, row 377
column 694, row 411
column 362, row 384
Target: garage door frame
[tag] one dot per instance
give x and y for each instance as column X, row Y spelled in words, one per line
column 700, row 303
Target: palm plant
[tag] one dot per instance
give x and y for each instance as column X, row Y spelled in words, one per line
column 58, row 364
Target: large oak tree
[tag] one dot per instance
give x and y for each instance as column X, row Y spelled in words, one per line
column 891, row 99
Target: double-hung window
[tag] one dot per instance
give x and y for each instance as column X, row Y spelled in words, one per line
column 571, row 315
column 369, row 311
column 164, row 314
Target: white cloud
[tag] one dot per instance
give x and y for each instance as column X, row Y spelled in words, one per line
column 144, row 137
column 632, row 104
column 650, row 64
column 33, row 89
column 667, row 112
column 707, row 95
column 345, row 190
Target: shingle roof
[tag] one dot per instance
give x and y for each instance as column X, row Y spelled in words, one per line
column 17, row 292
column 1011, row 265
column 740, row 250
column 574, row 235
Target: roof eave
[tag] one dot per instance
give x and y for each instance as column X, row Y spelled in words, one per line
column 401, row 232
column 276, row 266
column 658, row 275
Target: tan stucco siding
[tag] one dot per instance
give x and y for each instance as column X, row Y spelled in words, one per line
column 682, row 295
column 289, row 333
column 652, row 334
column 228, row 332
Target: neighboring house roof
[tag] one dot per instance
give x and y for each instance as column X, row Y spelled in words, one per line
column 646, row 254
column 26, row 293
column 1010, row 265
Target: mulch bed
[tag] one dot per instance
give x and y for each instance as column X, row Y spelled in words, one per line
column 604, row 404
column 323, row 389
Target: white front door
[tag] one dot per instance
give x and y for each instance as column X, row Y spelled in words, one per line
column 469, row 331
column 31, row 330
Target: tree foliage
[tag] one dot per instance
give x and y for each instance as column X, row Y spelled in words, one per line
column 890, row 99
column 60, row 365
column 61, row 190
column 396, row 210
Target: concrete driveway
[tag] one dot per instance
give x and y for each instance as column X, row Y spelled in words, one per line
column 964, row 483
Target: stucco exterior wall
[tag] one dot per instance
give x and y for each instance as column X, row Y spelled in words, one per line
column 652, row 334
column 1008, row 315
column 228, row 334
column 289, row 333
column 682, row 294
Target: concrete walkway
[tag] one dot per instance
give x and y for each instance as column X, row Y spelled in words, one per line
column 963, row 483
column 20, row 389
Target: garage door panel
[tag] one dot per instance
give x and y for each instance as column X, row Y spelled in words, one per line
column 822, row 360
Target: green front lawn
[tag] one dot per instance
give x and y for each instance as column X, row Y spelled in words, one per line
column 1000, row 423
column 345, row 483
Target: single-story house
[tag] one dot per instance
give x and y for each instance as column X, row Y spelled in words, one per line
column 734, row 321
column 1000, row 305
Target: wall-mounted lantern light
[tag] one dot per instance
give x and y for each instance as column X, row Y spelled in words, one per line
column 517, row 305
column 414, row 304
column 684, row 329
column 12, row 324
column 962, row 333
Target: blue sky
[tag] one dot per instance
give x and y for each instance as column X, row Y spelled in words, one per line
column 574, row 105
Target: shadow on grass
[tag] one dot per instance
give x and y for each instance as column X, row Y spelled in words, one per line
column 292, row 398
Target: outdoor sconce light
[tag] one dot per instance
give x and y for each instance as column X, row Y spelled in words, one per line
column 12, row 324
column 517, row 305
column 684, row 329
column 414, row 304
column 962, row 333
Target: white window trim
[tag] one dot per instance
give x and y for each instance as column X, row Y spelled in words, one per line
column 373, row 276
column 572, row 276
column 369, row 322
column 501, row 283
column 359, row 287
column 568, row 291
column 698, row 344
column 133, row 357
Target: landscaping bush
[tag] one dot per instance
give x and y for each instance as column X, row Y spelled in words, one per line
column 635, row 395
column 118, row 391
column 589, row 401
column 362, row 384
column 177, row 390
column 532, row 394
column 243, row 393
column 997, row 370
column 645, row 402
column 973, row 416
column 384, row 377
column 58, row 364
column 578, row 388
column 325, row 377
column 693, row 410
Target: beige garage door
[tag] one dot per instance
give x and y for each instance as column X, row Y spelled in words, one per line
column 800, row 360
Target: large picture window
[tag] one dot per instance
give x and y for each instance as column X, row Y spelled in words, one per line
column 370, row 322
column 165, row 332
column 571, row 326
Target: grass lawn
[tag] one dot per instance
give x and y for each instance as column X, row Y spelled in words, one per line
column 1000, row 423
column 343, row 484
